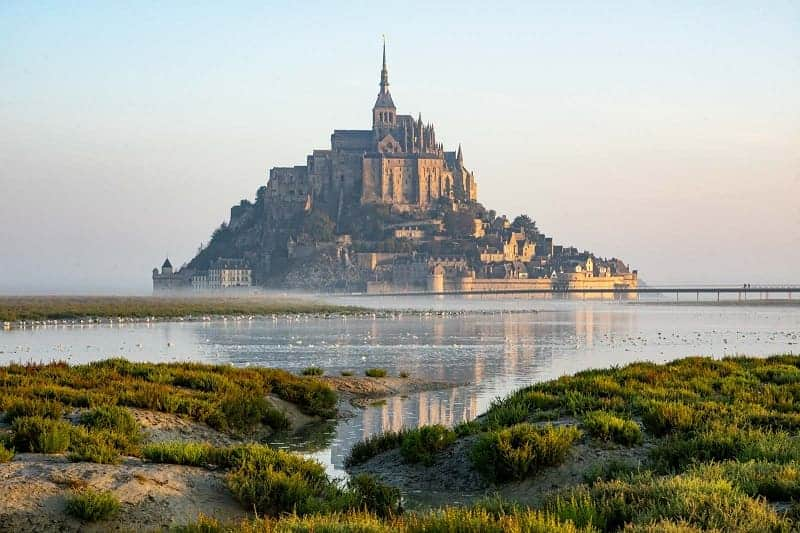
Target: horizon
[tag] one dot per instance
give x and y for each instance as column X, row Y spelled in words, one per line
column 663, row 136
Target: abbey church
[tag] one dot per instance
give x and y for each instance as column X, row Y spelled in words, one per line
column 398, row 163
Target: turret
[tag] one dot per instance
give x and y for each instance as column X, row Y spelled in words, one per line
column 166, row 268
column 384, row 113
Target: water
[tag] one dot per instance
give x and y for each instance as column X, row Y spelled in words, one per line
column 502, row 347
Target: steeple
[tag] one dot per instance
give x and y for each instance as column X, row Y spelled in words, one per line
column 384, row 71
column 384, row 112
column 459, row 157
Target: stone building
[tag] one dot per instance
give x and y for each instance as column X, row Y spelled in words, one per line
column 398, row 163
column 224, row 274
column 168, row 280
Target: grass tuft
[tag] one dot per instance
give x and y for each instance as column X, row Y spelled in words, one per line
column 91, row 506
column 5, row 454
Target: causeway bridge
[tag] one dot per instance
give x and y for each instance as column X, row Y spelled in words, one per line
column 744, row 292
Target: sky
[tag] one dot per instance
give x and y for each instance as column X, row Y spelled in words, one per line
column 664, row 133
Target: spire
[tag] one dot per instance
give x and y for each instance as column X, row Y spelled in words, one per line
column 384, row 102
column 459, row 157
column 384, row 70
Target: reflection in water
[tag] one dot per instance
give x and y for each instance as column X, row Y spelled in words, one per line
column 494, row 352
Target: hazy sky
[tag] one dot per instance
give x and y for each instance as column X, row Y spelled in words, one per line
column 665, row 133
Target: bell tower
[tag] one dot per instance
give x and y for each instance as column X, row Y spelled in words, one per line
column 384, row 113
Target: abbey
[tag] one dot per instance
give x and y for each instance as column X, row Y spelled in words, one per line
column 384, row 209
column 398, row 163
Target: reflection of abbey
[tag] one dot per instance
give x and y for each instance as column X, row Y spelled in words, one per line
column 383, row 209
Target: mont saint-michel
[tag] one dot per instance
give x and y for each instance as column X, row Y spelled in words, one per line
column 384, row 209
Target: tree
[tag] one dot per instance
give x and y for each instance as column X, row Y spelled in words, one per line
column 459, row 224
column 525, row 224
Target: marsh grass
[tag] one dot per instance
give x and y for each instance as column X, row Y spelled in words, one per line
column 13, row 308
column 446, row 520
column 312, row 371
column 707, row 504
column 224, row 397
column 375, row 372
column 774, row 481
column 91, row 506
column 725, row 438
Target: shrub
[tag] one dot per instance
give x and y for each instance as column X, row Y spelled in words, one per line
column 33, row 407
column 312, row 371
column 5, row 454
column 273, row 482
column 404, row 375
column 114, row 418
column 420, row 445
column 371, row 495
column 346, row 373
column 375, row 372
column 519, row 451
column 91, row 506
column 41, row 435
column 368, row 448
column 606, row 426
